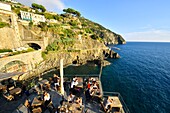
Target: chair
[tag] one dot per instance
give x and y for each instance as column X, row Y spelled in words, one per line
column 10, row 88
column 37, row 110
column 50, row 80
column 8, row 96
column 27, row 104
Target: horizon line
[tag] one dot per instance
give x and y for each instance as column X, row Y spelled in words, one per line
column 146, row 41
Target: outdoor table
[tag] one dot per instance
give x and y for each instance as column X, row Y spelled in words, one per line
column 15, row 91
column 115, row 102
column 73, row 107
column 37, row 110
column 36, row 102
column 43, row 82
column 79, row 85
column 76, row 108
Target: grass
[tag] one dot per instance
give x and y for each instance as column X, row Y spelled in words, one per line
column 3, row 24
column 5, row 50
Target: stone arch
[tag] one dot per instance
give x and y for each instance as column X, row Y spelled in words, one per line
column 35, row 46
column 13, row 66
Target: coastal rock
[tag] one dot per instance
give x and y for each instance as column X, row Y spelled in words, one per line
column 106, row 63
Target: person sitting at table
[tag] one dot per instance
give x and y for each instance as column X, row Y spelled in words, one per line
column 108, row 103
column 74, row 83
column 88, row 84
column 79, row 101
column 95, row 85
column 92, row 92
column 71, row 98
column 47, row 98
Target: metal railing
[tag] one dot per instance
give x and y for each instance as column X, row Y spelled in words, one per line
column 125, row 108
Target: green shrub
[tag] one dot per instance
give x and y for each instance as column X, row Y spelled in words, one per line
column 43, row 54
column 73, row 23
column 3, row 24
column 88, row 30
column 5, row 50
column 30, row 24
column 53, row 46
column 95, row 37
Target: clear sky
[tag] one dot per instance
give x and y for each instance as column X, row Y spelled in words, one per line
column 135, row 20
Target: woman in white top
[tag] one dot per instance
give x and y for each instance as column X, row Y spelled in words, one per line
column 74, row 83
column 47, row 98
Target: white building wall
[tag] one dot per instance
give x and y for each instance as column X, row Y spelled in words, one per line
column 26, row 15
column 5, row 6
column 32, row 17
column 38, row 18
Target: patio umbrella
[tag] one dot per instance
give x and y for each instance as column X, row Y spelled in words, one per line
column 4, row 76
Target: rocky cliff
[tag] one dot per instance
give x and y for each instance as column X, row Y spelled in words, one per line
column 68, row 36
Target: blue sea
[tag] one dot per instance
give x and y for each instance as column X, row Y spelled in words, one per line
column 141, row 76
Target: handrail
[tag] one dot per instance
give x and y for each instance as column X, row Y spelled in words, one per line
column 84, row 75
column 125, row 108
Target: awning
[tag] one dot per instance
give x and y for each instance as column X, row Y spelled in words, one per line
column 4, row 76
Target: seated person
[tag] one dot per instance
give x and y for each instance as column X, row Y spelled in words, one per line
column 88, row 84
column 92, row 92
column 47, row 98
column 74, row 83
column 79, row 101
column 56, row 80
column 95, row 85
column 71, row 98
column 108, row 103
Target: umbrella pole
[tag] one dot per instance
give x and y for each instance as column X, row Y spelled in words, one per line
column 61, row 75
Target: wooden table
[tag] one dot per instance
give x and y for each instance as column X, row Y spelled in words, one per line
column 15, row 91
column 76, row 108
column 73, row 107
column 36, row 102
column 116, row 102
column 2, row 87
column 45, row 81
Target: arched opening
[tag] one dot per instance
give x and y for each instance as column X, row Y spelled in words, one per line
column 34, row 46
column 14, row 66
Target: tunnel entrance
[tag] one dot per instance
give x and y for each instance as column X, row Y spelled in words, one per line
column 34, row 46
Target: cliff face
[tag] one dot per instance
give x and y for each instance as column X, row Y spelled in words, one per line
column 72, row 38
column 107, row 36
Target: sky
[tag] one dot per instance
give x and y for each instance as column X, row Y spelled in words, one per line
column 135, row 20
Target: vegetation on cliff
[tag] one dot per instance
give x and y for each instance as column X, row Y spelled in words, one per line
column 3, row 24
column 68, row 31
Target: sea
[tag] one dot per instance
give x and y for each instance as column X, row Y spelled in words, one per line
column 141, row 76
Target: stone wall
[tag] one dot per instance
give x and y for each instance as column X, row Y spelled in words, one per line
column 8, row 39
column 31, row 59
column 52, row 60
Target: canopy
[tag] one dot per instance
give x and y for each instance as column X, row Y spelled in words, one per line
column 9, row 75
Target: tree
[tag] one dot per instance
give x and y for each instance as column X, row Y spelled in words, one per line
column 72, row 11
column 37, row 6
